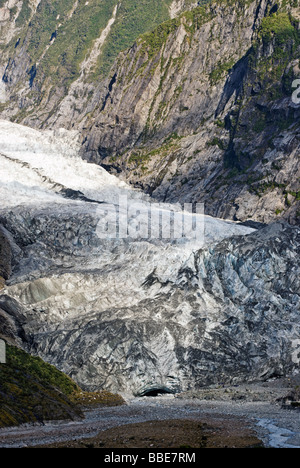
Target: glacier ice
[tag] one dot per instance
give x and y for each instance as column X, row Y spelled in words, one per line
column 131, row 312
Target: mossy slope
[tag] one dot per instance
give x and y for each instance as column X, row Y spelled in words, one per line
column 34, row 391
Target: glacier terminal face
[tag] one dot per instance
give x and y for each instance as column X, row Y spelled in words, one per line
column 127, row 294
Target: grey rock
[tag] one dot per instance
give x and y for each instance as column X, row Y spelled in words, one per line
column 5, row 256
column 198, row 120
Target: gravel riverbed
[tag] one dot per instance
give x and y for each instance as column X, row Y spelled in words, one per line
column 257, row 407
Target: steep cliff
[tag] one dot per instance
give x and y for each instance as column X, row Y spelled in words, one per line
column 5, row 258
column 54, row 49
column 201, row 109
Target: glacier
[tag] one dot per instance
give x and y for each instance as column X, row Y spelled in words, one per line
column 138, row 313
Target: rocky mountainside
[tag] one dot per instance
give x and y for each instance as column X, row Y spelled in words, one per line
column 201, row 109
column 134, row 313
column 54, row 49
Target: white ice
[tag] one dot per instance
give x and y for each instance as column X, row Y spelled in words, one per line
column 36, row 165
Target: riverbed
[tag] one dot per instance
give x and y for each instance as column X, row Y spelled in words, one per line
column 276, row 426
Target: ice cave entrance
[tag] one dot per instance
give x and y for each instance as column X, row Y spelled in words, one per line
column 154, row 391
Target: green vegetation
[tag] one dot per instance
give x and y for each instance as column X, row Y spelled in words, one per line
column 75, row 32
column 259, row 188
column 282, row 30
column 32, row 390
column 170, row 144
column 278, row 26
column 296, row 195
column 221, row 70
column 276, row 81
column 215, row 141
column 259, row 124
column 220, row 123
column 272, row 76
column 24, row 14
column 152, row 42
column 134, row 18
column 74, row 37
column 58, row 37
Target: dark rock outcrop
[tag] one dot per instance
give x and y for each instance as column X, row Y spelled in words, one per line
column 5, row 259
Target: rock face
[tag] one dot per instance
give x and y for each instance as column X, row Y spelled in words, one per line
column 139, row 314
column 55, row 52
column 11, row 318
column 5, row 257
column 202, row 109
